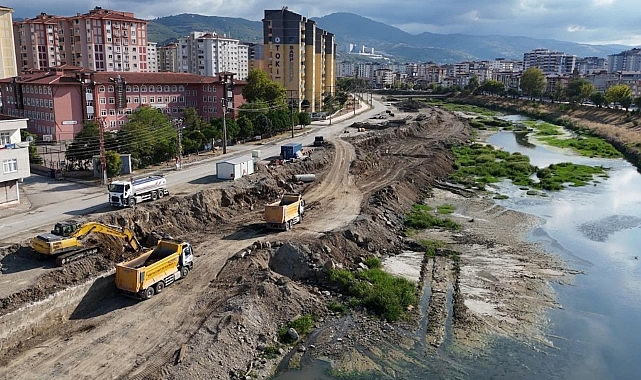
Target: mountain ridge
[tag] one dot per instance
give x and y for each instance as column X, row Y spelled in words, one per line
column 392, row 42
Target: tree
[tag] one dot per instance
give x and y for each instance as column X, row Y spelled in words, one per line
column 492, row 87
column 533, row 82
column 34, row 156
column 598, row 99
column 637, row 103
column 619, row 94
column 85, row 145
column 304, row 118
column 579, row 90
column 148, row 136
column 113, row 163
column 259, row 87
column 246, row 127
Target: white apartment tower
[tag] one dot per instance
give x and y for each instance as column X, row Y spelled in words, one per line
column 209, row 54
column 550, row 62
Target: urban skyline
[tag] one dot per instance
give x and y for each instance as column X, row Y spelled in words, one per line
column 591, row 22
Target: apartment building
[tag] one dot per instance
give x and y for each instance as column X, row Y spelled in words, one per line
column 255, row 55
column 152, row 57
column 167, row 57
column 300, row 56
column 207, row 53
column 59, row 101
column 14, row 158
column 550, row 62
column 100, row 40
column 8, row 66
column 629, row 60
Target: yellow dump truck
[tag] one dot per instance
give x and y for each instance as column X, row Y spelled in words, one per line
column 281, row 215
column 149, row 273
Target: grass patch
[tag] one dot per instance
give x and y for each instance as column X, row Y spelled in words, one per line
column 422, row 217
column 588, row 146
column 554, row 176
column 477, row 165
column 432, row 247
column 337, row 307
column 302, row 325
column 468, row 108
column 377, row 291
column 445, row 209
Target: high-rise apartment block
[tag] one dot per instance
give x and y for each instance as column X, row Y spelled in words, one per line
column 300, row 56
column 629, row 60
column 550, row 62
column 168, row 57
column 7, row 49
column 101, row 40
column 209, row 54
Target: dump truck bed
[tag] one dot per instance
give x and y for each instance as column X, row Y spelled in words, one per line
column 148, row 268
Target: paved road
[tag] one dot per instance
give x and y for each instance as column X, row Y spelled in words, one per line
column 53, row 201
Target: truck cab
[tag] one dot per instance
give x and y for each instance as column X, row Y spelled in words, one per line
column 120, row 193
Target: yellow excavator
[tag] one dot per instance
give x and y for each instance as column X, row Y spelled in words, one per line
column 65, row 240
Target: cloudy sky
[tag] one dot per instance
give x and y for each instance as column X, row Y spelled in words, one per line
column 584, row 21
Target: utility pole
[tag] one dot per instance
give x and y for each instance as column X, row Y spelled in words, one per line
column 178, row 124
column 103, row 158
column 291, row 107
column 228, row 81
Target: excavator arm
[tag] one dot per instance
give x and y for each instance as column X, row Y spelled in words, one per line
column 71, row 248
column 107, row 229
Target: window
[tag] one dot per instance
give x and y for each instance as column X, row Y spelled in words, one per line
column 101, row 89
column 143, row 88
column 5, row 138
column 112, row 101
column 103, row 112
column 112, row 112
column 10, row 166
column 102, row 100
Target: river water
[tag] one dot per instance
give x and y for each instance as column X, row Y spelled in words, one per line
column 596, row 229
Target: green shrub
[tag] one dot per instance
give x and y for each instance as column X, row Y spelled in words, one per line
column 271, row 352
column 337, row 307
column 380, row 293
column 373, row 262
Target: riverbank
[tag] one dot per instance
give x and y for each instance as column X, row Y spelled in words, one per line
column 620, row 128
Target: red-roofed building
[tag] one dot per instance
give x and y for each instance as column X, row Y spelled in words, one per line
column 57, row 102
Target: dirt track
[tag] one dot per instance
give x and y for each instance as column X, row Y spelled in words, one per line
column 228, row 310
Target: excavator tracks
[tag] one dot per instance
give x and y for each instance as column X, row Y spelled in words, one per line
column 69, row 257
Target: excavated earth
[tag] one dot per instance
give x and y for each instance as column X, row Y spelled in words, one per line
column 249, row 282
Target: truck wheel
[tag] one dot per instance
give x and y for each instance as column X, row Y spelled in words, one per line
column 288, row 225
column 160, row 286
column 154, row 195
column 161, row 193
column 147, row 293
column 184, row 272
column 132, row 201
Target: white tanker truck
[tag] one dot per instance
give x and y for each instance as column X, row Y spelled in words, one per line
column 128, row 193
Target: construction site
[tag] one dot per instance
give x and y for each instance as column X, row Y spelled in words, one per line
column 247, row 281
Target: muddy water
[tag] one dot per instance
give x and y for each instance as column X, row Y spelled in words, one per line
column 596, row 334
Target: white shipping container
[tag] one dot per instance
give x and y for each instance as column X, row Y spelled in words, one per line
column 235, row 168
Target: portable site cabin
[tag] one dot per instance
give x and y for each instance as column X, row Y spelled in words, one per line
column 235, row 168
column 290, row 150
